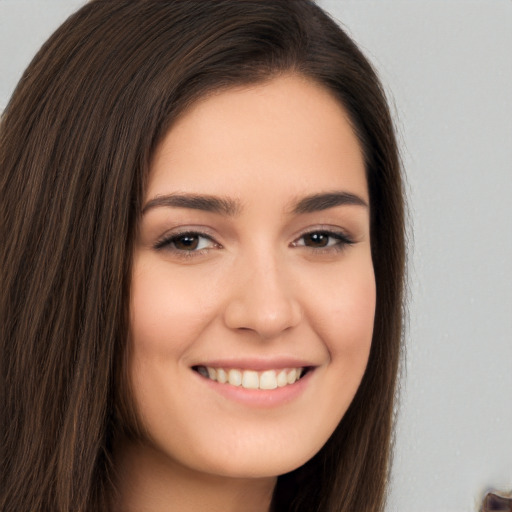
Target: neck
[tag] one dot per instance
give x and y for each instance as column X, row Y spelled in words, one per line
column 147, row 480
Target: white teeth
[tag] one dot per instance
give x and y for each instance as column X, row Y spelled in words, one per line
column 235, row 377
column 268, row 380
column 282, row 378
column 222, row 376
column 250, row 379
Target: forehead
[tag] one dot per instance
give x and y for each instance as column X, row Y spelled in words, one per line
column 285, row 134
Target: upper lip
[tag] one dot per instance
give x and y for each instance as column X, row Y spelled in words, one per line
column 257, row 364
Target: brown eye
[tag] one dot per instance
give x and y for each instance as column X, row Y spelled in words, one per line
column 327, row 240
column 186, row 242
column 317, row 239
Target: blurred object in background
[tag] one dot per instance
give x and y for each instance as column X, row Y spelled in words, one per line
column 497, row 503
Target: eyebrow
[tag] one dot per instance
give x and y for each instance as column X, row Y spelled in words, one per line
column 319, row 202
column 231, row 207
column 205, row 203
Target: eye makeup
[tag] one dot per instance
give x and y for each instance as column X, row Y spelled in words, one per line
column 190, row 242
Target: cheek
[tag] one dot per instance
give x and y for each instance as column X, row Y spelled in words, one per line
column 165, row 320
column 346, row 311
column 167, row 311
column 354, row 318
column 344, row 322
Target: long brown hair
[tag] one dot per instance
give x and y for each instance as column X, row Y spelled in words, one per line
column 75, row 145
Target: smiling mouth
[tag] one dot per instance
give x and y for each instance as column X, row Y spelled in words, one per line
column 250, row 379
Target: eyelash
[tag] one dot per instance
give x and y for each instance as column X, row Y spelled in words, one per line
column 168, row 243
column 341, row 240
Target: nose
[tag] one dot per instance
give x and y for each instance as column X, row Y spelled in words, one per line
column 262, row 300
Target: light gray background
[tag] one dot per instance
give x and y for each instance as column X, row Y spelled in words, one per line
column 447, row 66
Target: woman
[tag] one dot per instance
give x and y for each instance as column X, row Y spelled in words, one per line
column 201, row 292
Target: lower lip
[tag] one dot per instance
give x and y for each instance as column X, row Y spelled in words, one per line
column 264, row 398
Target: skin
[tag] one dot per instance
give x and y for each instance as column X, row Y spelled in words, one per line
column 253, row 288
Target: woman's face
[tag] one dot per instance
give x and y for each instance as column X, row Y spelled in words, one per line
column 253, row 291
